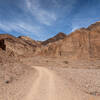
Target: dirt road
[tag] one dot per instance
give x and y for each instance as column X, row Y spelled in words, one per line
column 49, row 86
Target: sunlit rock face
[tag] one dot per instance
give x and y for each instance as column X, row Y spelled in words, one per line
column 14, row 46
column 83, row 43
column 59, row 36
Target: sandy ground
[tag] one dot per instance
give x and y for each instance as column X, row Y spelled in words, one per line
column 49, row 86
column 28, row 81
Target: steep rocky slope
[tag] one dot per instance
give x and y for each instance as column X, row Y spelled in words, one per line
column 82, row 43
column 59, row 36
column 13, row 47
column 29, row 41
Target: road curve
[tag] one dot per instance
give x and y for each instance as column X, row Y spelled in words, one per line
column 49, row 86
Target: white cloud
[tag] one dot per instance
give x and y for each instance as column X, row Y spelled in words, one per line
column 48, row 17
column 78, row 22
column 42, row 15
column 56, row 3
column 21, row 27
column 45, row 17
column 29, row 29
column 74, row 28
column 7, row 28
column 25, row 24
column 65, row 6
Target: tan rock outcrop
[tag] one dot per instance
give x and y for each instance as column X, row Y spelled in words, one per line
column 13, row 46
column 83, row 43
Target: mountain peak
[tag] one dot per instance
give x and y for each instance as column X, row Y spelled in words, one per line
column 94, row 26
column 25, row 37
column 61, row 34
column 57, row 37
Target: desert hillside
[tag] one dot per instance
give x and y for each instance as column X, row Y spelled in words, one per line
column 81, row 44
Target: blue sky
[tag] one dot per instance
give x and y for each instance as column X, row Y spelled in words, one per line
column 42, row 19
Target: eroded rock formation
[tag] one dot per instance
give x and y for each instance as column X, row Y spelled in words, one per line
column 82, row 43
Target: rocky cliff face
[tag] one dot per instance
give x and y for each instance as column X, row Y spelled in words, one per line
column 83, row 43
column 29, row 41
column 58, row 37
column 13, row 46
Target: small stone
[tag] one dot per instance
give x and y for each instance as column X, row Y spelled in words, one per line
column 7, row 82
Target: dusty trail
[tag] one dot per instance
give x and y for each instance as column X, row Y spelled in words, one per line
column 48, row 86
column 43, row 86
